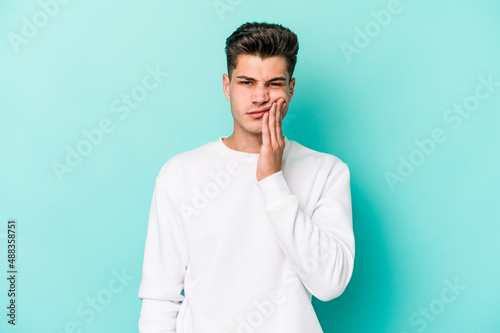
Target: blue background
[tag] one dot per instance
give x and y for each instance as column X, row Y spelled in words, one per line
column 436, row 225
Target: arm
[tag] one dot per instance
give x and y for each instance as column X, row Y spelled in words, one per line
column 165, row 257
column 321, row 249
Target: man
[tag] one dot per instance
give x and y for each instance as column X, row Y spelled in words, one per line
column 251, row 225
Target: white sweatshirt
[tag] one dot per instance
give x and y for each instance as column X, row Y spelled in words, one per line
column 247, row 254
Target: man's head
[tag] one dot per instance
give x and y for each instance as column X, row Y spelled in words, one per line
column 261, row 58
column 263, row 40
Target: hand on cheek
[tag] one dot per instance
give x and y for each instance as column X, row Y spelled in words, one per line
column 273, row 144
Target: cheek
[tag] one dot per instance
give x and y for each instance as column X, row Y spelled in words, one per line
column 279, row 94
column 237, row 96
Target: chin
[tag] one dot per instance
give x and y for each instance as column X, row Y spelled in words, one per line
column 254, row 130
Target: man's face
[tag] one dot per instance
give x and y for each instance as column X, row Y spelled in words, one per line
column 255, row 85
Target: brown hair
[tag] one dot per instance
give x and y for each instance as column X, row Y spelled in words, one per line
column 264, row 40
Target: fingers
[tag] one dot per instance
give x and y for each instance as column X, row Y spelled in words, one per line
column 279, row 131
column 265, row 129
column 280, row 107
column 272, row 123
column 272, row 132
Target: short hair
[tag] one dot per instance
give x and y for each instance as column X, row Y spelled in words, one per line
column 264, row 40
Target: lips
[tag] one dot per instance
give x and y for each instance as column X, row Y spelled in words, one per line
column 259, row 111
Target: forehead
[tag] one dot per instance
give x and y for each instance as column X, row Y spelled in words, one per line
column 260, row 69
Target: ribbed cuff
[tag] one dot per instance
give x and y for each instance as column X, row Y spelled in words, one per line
column 274, row 188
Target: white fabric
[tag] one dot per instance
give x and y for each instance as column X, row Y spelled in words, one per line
column 247, row 254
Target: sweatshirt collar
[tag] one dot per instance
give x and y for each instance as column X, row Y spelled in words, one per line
column 242, row 156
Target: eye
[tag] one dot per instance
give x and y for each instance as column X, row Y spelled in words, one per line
column 276, row 84
column 245, row 83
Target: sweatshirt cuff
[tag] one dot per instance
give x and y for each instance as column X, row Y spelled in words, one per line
column 274, row 188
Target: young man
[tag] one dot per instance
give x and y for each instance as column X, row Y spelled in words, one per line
column 251, row 225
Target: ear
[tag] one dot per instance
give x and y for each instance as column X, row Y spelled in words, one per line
column 292, row 89
column 225, row 86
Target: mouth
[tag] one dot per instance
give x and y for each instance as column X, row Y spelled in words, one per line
column 258, row 113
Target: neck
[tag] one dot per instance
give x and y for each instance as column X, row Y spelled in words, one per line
column 249, row 143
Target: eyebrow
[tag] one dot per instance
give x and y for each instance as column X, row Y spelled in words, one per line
column 279, row 78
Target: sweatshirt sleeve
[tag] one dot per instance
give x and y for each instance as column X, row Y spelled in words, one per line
column 320, row 248
column 165, row 257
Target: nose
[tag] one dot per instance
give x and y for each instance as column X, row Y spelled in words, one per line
column 260, row 95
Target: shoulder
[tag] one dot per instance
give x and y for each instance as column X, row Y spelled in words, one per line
column 307, row 156
column 185, row 159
